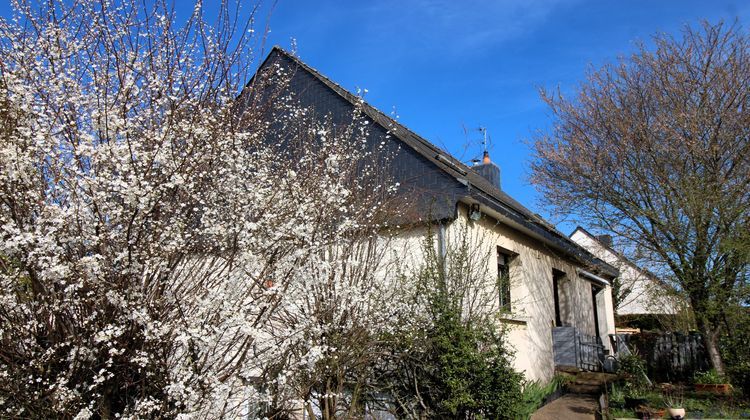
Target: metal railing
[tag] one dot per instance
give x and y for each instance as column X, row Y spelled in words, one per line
column 590, row 352
column 572, row 348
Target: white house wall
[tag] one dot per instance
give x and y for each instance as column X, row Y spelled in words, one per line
column 533, row 314
column 532, row 302
column 646, row 296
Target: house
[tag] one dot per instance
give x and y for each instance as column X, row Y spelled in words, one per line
column 558, row 288
column 641, row 293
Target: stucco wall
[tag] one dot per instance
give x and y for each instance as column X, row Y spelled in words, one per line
column 533, row 314
column 532, row 317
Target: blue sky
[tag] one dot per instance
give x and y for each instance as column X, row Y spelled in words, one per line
column 447, row 67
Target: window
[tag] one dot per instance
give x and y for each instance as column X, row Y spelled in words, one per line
column 503, row 278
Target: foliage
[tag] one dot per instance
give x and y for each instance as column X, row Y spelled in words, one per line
column 695, row 406
column 616, row 395
column 708, row 407
column 469, row 378
column 654, row 149
column 633, row 367
column 534, row 394
column 711, row 377
column 735, row 350
column 635, row 391
column 619, row 412
column 454, row 363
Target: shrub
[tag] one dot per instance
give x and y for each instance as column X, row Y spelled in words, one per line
column 463, row 370
column 709, row 377
column 617, row 396
column 735, row 352
column 451, row 360
column 633, row 367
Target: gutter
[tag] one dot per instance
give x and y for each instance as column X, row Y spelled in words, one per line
column 541, row 233
column 591, row 276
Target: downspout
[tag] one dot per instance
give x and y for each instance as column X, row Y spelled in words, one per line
column 442, row 246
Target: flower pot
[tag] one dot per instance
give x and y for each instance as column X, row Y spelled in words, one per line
column 676, row 413
column 645, row 412
column 658, row 413
column 718, row 389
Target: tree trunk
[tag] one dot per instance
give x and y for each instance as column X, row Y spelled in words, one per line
column 711, row 341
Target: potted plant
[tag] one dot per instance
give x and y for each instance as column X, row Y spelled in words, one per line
column 712, row 382
column 675, row 405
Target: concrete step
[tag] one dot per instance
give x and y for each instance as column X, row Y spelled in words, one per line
column 584, row 382
column 587, row 381
column 586, row 389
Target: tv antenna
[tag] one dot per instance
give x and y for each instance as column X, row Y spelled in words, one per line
column 483, row 130
column 485, row 144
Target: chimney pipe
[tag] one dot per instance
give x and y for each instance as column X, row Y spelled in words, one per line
column 606, row 240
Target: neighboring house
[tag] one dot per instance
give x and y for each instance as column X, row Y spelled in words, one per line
column 556, row 284
column 641, row 292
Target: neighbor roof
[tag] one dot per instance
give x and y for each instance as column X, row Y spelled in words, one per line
column 479, row 189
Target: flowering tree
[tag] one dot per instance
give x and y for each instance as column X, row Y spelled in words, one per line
column 164, row 248
column 656, row 150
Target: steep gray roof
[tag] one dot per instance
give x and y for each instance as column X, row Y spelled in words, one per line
column 478, row 188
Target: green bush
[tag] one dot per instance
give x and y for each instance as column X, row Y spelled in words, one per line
column 471, row 371
column 451, row 364
column 709, row 377
column 617, row 395
column 735, row 350
column 738, row 369
column 633, row 368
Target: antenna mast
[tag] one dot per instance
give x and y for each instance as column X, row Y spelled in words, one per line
column 483, row 130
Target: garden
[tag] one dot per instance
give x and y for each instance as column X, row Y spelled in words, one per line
column 706, row 395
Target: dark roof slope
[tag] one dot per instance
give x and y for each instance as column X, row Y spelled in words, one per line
column 479, row 189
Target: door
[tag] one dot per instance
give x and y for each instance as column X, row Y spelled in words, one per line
column 594, row 291
column 557, row 276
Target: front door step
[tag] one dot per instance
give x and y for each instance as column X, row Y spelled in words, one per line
column 590, row 383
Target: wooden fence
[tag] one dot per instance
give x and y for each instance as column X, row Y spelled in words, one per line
column 669, row 356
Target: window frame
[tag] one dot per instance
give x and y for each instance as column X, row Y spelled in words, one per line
column 505, row 260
